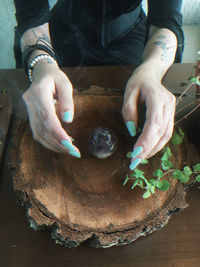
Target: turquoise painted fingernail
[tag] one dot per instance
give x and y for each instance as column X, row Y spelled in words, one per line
column 131, row 128
column 137, row 151
column 68, row 145
column 75, row 153
column 67, row 116
column 134, row 164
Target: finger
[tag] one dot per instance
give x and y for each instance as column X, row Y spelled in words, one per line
column 65, row 145
column 65, row 99
column 129, row 110
column 165, row 138
column 46, row 110
column 48, row 141
column 152, row 131
column 45, row 143
column 40, row 134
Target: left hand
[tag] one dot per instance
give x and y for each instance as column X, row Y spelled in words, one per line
column 144, row 87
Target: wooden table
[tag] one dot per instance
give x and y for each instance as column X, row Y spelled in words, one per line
column 177, row 244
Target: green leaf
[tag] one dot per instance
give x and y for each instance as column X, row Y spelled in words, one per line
column 189, row 78
column 195, row 80
column 166, row 164
column 164, row 157
column 146, row 194
column 162, row 185
column 158, row 173
column 177, row 139
column 167, row 150
column 152, row 181
column 198, row 178
column 142, row 177
column 177, row 174
column 126, row 180
column 198, row 81
column 145, row 161
column 129, row 155
column 185, row 179
column 135, row 183
column 141, row 184
column 152, row 189
column 167, row 153
column 181, row 132
column 196, row 167
column 158, row 184
column 187, row 170
column 137, row 173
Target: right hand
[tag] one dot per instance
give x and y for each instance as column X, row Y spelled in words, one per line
column 49, row 97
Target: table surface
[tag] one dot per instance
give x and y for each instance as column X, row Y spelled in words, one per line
column 177, row 244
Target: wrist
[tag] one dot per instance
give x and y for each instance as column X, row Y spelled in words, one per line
column 34, row 54
column 29, row 50
column 41, row 59
column 152, row 68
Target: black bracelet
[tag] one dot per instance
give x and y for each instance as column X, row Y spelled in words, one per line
column 29, row 49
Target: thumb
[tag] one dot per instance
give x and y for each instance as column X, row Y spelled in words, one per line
column 130, row 112
column 65, row 99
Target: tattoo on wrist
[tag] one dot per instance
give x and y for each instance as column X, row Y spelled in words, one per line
column 44, row 38
column 49, row 61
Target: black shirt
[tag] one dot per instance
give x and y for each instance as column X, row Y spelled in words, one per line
column 94, row 18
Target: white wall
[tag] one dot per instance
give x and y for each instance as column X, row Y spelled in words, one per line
column 7, row 24
column 190, row 10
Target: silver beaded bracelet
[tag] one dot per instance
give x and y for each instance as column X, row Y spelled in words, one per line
column 36, row 60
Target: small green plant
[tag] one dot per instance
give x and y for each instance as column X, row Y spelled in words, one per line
column 158, row 182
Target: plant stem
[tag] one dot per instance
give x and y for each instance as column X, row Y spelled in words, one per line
column 185, row 107
column 170, row 170
column 187, row 114
column 186, row 89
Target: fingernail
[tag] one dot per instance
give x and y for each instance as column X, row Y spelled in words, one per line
column 134, row 164
column 67, row 116
column 75, row 153
column 68, row 145
column 137, row 151
column 131, row 128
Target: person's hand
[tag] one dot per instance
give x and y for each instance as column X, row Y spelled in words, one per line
column 145, row 87
column 48, row 100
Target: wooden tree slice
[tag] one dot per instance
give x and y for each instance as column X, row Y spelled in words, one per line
column 84, row 199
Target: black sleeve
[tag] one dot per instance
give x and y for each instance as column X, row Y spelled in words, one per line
column 167, row 14
column 31, row 13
